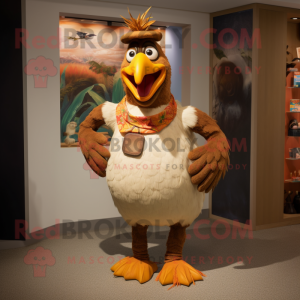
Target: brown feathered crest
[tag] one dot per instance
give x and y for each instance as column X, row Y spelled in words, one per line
column 141, row 23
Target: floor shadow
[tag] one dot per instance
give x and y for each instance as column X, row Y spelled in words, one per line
column 265, row 248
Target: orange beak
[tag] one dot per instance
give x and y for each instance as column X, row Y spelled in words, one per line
column 143, row 77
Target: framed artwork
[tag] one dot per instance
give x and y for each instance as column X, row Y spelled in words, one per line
column 91, row 55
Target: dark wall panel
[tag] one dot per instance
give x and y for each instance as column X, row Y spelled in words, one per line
column 12, row 205
column 232, row 83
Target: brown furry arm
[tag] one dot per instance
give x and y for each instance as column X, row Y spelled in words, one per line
column 210, row 161
column 94, row 120
column 91, row 142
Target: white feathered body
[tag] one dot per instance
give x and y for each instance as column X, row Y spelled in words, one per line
column 154, row 188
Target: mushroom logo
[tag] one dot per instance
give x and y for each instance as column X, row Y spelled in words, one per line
column 40, row 68
column 39, row 258
column 93, row 175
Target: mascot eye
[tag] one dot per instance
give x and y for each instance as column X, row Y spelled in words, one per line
column 130, row 55
column 151, row 53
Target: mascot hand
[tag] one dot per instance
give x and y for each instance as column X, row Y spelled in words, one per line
column 210, row 162
column 91, row 144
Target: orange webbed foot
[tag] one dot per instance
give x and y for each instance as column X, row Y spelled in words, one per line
column 132, row 268
column 178, row 272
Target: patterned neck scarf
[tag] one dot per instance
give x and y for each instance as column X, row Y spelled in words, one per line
column 145, row 125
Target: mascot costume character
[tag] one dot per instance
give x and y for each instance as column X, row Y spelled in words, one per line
column 156, row 173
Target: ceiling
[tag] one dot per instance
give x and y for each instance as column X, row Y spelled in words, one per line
column 207, row 6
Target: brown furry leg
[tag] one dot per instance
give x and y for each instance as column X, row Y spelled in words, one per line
column 139, row 266
column 175, row 270
column 139, row 242
column 175, row 242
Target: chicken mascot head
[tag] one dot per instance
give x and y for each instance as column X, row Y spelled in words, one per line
column 156, row 173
